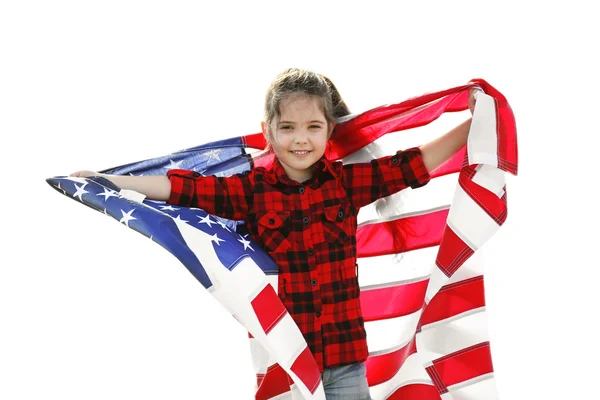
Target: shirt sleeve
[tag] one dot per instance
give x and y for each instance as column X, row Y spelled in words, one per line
column 227, row 197
column 367, row 182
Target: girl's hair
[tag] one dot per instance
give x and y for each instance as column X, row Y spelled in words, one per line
column 294, row 81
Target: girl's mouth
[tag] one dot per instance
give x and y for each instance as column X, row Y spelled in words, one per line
column 300, row 153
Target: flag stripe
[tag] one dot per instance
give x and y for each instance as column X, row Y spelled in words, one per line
column 383, row 367
column 464, row 364
column 454, row 299
column 393, row 301
column 401, row 235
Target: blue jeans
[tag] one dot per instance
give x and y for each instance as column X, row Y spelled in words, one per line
column 348, row 382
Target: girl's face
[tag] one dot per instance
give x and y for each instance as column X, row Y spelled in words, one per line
column 300, row 138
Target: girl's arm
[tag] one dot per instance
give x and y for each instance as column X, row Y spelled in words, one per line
column 228, row 197
column 153, row 187
column 438, row 151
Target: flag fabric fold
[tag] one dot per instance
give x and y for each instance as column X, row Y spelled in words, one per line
column 425, row 315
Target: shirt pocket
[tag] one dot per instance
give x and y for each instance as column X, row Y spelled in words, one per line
column 336, row 224
column 274, row 229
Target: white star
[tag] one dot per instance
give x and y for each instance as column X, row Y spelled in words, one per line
column 178, row 219
column 214, row 153
column 245, row 242
column 168, row 208
column 80, row 191
column 107, row 193
column 223, row 225
column 206, row 220
column 174, row 164
column 127, row 216
column 216, row 239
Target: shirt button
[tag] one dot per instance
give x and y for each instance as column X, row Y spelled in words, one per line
column 394, row 160
column 301, row 190
column 306, row 220
column 341, row 214
column 271, row 221
column 196, row 174
column 313, row 282
column 318, row 313
column 311, row 252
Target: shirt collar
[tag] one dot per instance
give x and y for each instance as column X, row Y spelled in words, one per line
column 277, row 173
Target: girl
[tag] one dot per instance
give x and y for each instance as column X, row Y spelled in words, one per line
column 303, row 211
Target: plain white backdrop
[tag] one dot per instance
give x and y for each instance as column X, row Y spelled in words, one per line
column 91, row 310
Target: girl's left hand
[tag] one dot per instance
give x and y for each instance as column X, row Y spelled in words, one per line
column 472, row 100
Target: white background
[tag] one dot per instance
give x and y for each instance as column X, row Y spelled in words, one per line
column 91, row 310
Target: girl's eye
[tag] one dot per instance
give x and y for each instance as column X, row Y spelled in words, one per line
column 285, row 127
column 315, row 127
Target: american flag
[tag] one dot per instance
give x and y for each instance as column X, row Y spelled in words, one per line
column 420, row 271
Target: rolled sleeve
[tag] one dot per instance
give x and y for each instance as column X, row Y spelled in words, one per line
column 182, row 187
column 414, row 172
column 227, row 197
column 367, row 182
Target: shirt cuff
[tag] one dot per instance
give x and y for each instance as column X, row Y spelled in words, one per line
column 413, row 168
column 182, row 186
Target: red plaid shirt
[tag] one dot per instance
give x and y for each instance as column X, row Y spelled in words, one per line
column 309, row 229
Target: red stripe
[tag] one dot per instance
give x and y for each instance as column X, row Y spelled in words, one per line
column 306, row 368
column 394, row 301
column 383, row 367
column 415, row 391
column 401, row 235
column 489, row 202
column 455, row 299
column 273, row 383
column 465, row 364
column 255, row 141
column 453, row 253
column 268, row 308
column 349, row 137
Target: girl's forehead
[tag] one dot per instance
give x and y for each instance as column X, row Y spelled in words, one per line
column 301, row 107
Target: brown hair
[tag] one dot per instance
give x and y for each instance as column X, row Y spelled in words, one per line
column 295, row 81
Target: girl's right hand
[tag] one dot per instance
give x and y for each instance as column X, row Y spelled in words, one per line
column 85, row 174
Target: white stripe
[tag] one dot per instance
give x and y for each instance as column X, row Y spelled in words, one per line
column 452, row 334
column 286, row 341
column 438, row 192
column 461, row 219
column 491, row 178
column 412, row 371
column 414, row 265
column 392, row 332
column 437, row 279
column 253, row 277
column 260, row 356
column 482, row 143
column 471, row 268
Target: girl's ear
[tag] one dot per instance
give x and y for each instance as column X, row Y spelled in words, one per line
column 263, row 126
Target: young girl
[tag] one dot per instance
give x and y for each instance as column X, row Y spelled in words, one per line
column 303, row 211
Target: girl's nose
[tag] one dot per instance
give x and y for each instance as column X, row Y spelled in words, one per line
column 300, row 137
